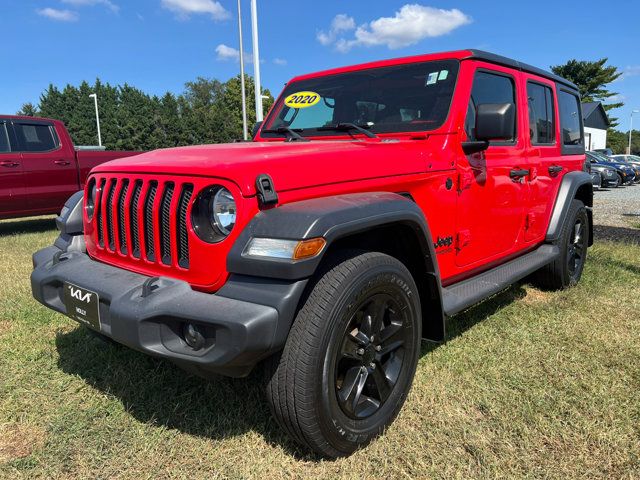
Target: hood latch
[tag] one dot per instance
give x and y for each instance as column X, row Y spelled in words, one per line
column 266, row 191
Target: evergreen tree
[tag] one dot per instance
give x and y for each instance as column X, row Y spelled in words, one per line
column 592, row 78
column 209, row 111
column 28, row 110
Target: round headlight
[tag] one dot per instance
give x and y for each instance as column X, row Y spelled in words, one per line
column 213, row 214
column 90, row 204
column 223, row 209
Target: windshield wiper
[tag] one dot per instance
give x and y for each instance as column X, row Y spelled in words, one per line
column 292, row 134
column 345, row 127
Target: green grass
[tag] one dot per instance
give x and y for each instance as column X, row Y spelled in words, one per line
column 530, row 384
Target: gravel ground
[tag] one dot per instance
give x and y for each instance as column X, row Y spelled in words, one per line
column 613, row 214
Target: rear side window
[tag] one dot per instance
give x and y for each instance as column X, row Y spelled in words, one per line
column 541, row 123
column 4, row 138
column 36, row 137
column 489, row 88
column 569, row 106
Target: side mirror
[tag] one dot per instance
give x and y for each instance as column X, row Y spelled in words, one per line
column 256, row 129
column 494, row 121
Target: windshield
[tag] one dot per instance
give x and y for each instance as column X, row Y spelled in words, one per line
column 600, row 157
column 403, row 98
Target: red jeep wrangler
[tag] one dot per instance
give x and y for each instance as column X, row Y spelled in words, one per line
column 374, row 202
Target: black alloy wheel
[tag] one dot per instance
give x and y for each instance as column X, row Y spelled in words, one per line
column 371, row 356
column 576, row 249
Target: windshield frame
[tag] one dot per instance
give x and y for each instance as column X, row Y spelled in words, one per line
column 314, row 133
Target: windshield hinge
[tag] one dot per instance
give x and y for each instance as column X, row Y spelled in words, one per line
column 266, row 191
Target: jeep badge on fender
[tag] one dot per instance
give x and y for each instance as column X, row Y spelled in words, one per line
column 374, row 202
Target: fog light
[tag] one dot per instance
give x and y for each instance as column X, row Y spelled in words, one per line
column 193, row 336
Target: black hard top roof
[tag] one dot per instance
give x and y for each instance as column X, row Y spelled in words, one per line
column 508, row 62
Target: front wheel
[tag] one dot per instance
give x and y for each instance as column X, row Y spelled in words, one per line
column 351, row 355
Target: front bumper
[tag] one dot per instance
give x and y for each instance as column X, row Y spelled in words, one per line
column 239, row 333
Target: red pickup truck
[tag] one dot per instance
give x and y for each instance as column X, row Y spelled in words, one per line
column 40, row 167
column 375, row 202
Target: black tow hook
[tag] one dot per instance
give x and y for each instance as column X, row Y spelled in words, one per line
column 58, row 257
column 149, row 286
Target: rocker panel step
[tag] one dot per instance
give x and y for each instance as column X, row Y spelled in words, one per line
column 466, row 293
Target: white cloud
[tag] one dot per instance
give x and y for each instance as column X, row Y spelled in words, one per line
column 628, row 72
column 341, row 23
column 186, row 7
column 632, row 71
column 411, row 24
column 281, row 62
column 59, row 15
column 225, row 53
column 82, row 3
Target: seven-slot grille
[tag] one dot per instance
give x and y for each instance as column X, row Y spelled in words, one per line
column 144, row 219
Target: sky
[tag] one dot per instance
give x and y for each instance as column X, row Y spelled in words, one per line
column 158, row 45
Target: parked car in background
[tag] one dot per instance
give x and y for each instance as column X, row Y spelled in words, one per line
column 627, row 174
column 596, row 177
column 604, row 151
column 40, row 167
column 631, row 160
column 609, row 176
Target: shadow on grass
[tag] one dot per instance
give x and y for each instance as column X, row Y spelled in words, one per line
column 29, row 225
column 157, row 392
column 616, row 234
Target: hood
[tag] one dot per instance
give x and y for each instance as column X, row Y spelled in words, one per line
column 291, row 165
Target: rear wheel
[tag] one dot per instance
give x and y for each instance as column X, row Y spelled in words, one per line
column 566, row 270
column 351, row 355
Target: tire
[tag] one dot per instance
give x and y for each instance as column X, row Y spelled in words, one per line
column 620, row 181
column 332, row 388
column 567, row 269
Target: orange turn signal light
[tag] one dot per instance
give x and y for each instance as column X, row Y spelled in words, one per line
column 308, row 248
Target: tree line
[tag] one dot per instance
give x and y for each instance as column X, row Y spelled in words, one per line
column 208, row 111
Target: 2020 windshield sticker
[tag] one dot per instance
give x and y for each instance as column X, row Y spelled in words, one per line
column 302, row 99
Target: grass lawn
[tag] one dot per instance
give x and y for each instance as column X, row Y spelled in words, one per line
column 530, row 384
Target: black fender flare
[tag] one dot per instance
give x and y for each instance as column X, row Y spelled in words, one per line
column 574, row 185
column 335, row 218
column 331, row 218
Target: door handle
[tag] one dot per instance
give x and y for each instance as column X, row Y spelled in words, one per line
column 9, row 163
column 555, row 169
column 62, row 162
column 517, row 173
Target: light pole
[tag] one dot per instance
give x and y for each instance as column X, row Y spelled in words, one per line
column 256, row 60
column 95, row 101
column 242, row 87
column 631, row 129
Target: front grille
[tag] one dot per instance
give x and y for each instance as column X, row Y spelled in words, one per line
column 112, row 191
column 183, row 237
column 144, row 220
column 122, row 235
column 165, row 234
column 149, row 240
column 99, row 213
column 134, row 225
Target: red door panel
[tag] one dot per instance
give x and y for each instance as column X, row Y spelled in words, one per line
column 50, row 171
column 491, row 205
column 543, row 151
column 12, row 191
